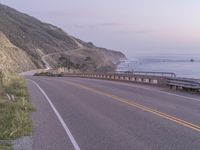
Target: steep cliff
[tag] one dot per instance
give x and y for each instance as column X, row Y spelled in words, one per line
column 12, row 58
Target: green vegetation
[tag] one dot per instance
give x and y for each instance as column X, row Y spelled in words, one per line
column 87, row 64
column 105, row 69
column 5, row 146
column 15, row 121
column 66, row 62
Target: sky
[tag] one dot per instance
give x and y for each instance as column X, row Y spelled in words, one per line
column 131, row 26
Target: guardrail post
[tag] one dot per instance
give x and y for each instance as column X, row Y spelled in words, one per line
column 174, row 87
column 116, row 77
column 132, row 79
column 121, row 78
column 138, row 79
column 146, row 80
column 154, row 81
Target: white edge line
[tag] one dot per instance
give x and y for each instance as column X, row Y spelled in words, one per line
column 167, row 93
column 180, row 96
column 148, row 89
column 73, row 141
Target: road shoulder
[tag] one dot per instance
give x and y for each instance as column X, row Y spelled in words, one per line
column 48, row 133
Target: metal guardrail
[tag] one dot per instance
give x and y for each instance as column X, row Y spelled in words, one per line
column 184, row 83
column 173, row 82
column 164, row 74
column 125, row 77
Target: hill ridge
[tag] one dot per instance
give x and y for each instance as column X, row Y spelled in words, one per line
column 37, row 39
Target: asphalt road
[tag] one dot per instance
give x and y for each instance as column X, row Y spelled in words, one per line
column 88, row 114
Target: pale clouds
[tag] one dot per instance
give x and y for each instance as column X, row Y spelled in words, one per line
column 144, row 31
column 99, row 25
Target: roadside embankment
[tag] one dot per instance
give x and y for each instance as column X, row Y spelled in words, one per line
column 15, row 110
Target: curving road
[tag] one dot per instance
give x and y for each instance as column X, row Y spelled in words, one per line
column 89, row 114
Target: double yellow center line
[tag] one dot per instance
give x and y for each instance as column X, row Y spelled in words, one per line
column 142, row 107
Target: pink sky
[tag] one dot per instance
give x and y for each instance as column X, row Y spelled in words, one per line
column 132, row 26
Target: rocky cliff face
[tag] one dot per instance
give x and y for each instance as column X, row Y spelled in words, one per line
column 12, row 58
column 34, row 39
column 93, row 59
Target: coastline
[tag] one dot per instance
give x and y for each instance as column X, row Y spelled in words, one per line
column 179, row 65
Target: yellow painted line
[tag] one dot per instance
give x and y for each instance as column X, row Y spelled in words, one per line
column 137, row 105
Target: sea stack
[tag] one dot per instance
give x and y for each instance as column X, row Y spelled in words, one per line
column 191, row 60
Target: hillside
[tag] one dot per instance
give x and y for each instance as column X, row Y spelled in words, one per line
column 37, row 39
column 13, row 58
column 93, row 59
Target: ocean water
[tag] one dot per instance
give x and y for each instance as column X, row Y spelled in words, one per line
column 180, row 64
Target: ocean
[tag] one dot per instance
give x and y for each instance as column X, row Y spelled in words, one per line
column 183, row 65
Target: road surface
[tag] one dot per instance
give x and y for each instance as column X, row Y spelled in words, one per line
column 89, row 114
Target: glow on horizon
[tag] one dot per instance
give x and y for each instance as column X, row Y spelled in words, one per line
column 132, row 26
